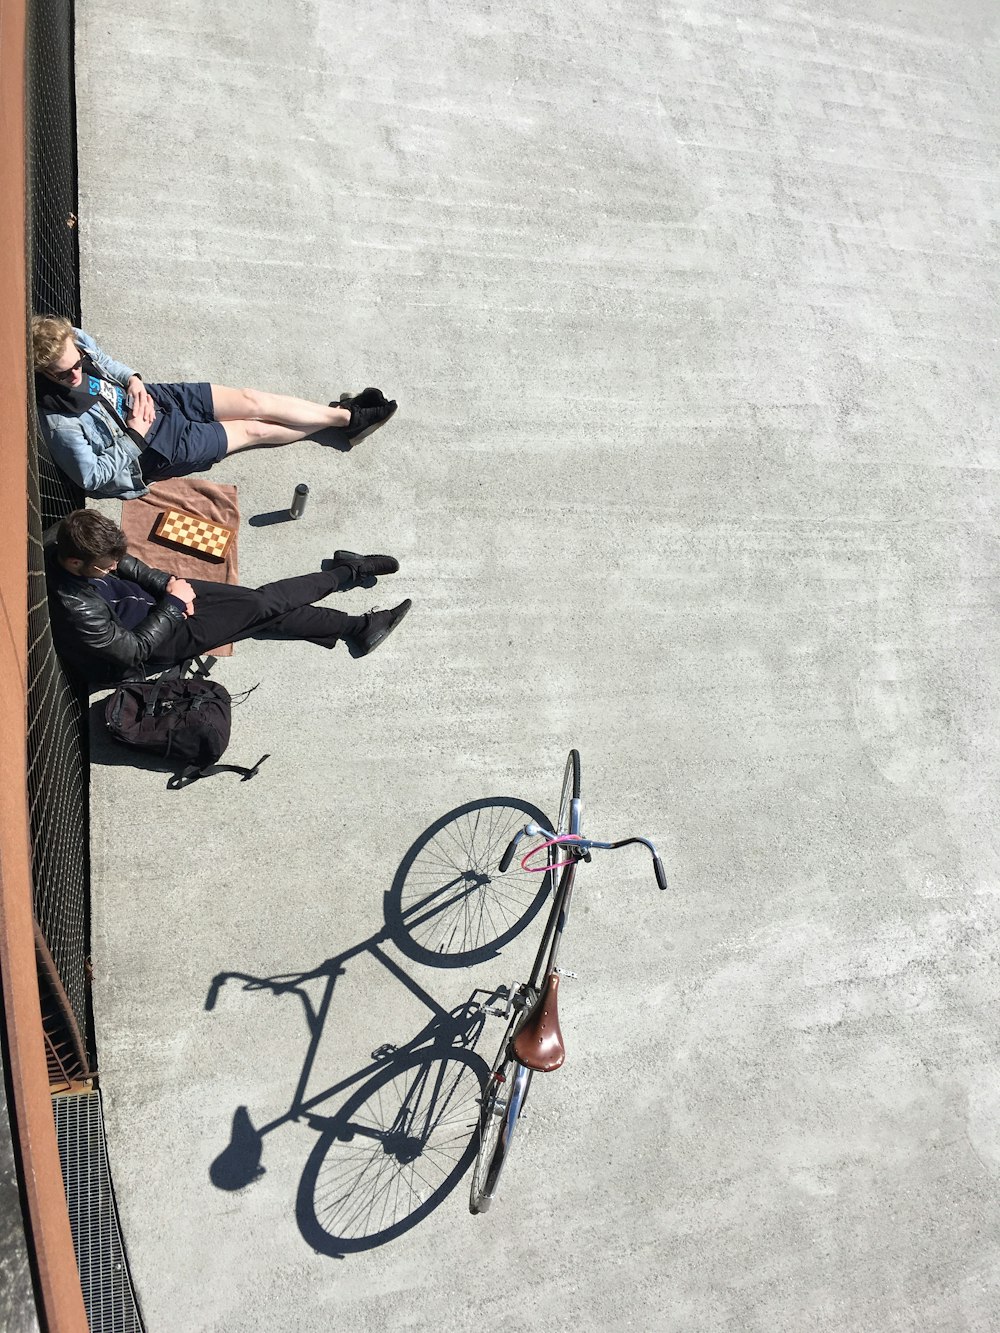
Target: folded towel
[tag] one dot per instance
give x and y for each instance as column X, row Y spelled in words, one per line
column 208, row 500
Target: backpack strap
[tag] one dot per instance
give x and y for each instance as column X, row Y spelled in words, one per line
column 243, row 695
column 119, row 704
column 199, row 666
column 192, row 773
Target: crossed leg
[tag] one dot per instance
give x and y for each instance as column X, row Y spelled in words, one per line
column 251, row 417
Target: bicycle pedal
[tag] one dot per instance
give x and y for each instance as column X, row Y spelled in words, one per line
column 562, row 972
column 501, row 1003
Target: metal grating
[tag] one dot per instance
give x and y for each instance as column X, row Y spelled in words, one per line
column 107, row 1284
column 58, row 774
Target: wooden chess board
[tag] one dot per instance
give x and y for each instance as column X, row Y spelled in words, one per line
column 211, row 540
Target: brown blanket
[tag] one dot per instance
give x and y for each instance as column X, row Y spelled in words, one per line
column 208, row 500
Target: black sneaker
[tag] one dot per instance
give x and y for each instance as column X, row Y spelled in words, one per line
column 366, row 566
column 366, row 398
column 380, row 625
column 366, row 419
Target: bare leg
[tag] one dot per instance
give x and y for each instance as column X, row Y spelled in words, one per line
column 251, row 418
column 251, row 434
column 277, row 409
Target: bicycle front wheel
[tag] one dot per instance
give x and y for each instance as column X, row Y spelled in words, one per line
column 570, row 793
column 503, row 1102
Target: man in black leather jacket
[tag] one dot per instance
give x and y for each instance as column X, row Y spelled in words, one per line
column 114, row 618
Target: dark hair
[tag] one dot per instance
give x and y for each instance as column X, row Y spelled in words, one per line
column 87, row 535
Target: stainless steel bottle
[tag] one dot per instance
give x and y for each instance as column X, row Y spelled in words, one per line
column 299, row 500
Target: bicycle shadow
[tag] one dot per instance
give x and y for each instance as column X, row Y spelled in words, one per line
column 448, row 906
column 406, row 1133
column 397, row 1147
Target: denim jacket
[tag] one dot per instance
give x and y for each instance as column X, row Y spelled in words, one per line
column 91, row 447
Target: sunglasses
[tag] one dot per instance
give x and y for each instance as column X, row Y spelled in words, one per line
column 66, row 375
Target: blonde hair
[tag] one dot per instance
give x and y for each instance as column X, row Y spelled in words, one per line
column 48, row 338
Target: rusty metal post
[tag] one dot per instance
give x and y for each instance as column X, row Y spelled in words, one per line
column 61, row 1308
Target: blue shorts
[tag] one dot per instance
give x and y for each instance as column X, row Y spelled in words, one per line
column 185, row 437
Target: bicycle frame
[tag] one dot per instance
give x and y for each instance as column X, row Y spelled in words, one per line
column 533, row 1042
column 548, row 949
column 580, row 848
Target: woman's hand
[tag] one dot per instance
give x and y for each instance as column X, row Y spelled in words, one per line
column 143, row 408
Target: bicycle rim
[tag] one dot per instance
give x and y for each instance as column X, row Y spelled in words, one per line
column 503, row 1102
column 570, row 792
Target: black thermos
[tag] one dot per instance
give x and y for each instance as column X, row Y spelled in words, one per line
column 299, row 500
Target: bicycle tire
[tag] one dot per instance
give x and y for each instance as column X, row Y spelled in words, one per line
column 570, row 792
column 497, row 1122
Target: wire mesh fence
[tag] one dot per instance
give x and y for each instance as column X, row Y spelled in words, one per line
column 58, row 761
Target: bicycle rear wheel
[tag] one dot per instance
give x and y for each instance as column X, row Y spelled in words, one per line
column 570, row 793
column 503, row 1102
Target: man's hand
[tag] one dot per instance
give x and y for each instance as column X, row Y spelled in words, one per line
column 181, row 589
column 143, row 408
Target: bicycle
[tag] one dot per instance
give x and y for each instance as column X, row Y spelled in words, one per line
column 533, row 1042
column 398, row 1134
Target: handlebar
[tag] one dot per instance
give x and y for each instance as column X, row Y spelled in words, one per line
column 579, row 847
column 508, row 855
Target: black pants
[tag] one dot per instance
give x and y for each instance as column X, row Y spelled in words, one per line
column 225, row 612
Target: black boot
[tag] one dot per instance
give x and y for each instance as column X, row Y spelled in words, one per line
column 379, row 625
column 366, row 566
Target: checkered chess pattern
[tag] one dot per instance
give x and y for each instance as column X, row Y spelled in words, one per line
column 195, row 534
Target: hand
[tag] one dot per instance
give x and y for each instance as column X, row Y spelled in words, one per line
column 181, row 589
column 143, row 407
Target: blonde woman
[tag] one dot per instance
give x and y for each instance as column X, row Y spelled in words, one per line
column 113, row 434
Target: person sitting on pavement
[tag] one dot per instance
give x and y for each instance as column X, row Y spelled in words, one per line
column 113, row 435
column 114, row 618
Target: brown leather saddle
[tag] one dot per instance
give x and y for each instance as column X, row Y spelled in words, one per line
column 539, row 1043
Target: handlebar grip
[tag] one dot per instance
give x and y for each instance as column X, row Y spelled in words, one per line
column 661, row 878
column 507, row 857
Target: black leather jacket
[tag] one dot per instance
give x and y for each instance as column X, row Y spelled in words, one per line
column 89, row 637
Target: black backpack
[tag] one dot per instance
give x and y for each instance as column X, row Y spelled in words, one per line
column 185, row 720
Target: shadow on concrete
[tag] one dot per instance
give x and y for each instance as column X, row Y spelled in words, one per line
column 405, row 1136
column 400, row 1143
column 334, row 438
column 269, row 519
column 112, row 754
column 448, row 906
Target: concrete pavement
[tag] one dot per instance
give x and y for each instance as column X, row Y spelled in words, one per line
column 691, row 313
